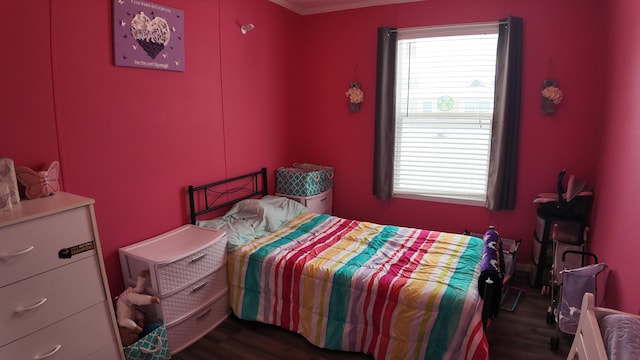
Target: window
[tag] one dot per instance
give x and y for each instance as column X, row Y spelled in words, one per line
column 445, row 82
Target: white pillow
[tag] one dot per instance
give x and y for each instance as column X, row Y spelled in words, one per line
column 253, row 218
column 280, row 210
column 239, row 231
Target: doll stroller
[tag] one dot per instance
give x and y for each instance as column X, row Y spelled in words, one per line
column 572, row 284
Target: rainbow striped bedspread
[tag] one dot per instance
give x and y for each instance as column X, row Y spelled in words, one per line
column 393, row 292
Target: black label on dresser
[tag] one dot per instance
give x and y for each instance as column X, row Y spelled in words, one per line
column 67, row 253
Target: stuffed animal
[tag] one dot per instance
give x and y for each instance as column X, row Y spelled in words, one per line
column 128, row 336
column 130, row 319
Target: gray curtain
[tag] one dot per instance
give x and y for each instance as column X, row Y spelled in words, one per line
column 503, row 163
column 385, row 131
column 501, row 186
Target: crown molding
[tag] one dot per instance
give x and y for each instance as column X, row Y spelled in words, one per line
column 309, row 7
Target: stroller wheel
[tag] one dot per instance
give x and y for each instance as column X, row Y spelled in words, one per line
column 554, row 343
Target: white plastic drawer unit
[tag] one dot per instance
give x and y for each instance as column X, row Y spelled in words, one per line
column 174, row 259
column 188, row 271
column 321, row 203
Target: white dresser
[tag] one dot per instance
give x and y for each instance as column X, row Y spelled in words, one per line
column 320, row 203
column 54, row 298
column 188, row 271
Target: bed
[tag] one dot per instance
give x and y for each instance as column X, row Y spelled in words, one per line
column 389, row 291
column 605, row 333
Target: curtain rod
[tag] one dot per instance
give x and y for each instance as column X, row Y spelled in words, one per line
column 455, row 26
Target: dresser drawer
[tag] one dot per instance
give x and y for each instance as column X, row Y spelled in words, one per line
column 175, row 259
column 34, row 303
column 33, row 247
column 185, row 302
column 186, row 332
column 86, row 334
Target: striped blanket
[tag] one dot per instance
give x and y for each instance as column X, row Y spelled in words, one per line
column 393, row 292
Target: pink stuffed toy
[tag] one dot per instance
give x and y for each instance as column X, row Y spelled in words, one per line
column 130, row 319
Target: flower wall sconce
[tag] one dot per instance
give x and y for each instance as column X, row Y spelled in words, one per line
column 551, row 96
column 355, row 95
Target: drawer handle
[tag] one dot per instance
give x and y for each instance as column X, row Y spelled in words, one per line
column 203, row 314
column 21, row 252
column 31, row 307
column 199, row 287
column 49, row 354
column 198, row 258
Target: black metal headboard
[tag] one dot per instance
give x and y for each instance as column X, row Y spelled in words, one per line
column 216, row 195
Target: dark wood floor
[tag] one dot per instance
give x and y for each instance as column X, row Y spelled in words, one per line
column 522, row 334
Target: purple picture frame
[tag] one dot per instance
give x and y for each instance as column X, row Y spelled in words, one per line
column 148, row 35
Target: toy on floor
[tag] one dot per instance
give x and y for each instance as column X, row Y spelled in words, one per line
column 130, row 319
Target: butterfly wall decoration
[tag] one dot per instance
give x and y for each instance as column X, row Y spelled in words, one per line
column 39, row 183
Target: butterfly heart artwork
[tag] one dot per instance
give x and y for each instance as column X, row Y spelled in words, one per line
column 39, row 183
column 148, row 35
column 152, row 35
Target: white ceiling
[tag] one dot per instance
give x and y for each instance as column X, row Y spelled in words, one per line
column 306, row 7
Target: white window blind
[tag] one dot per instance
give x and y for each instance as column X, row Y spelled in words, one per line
column 444, row 107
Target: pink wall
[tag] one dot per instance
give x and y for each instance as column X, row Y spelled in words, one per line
column 26, row 105
column 560, row 30
column 258, row 75
column 616, row 211
column 133, row 139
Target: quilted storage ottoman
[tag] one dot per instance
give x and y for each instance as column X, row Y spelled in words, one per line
column 304, row 179
column 153, row 346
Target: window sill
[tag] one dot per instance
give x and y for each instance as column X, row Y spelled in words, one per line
column 446, row 200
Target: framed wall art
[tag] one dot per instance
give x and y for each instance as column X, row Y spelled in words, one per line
column 148, row 35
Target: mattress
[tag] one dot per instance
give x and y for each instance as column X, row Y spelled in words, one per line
column 392, row 292
column 621, row 336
